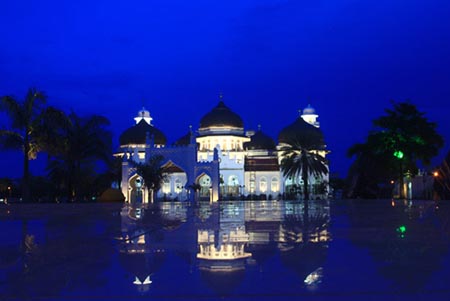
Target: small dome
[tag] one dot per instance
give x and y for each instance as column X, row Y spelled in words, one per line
column 260, row 141
column 144, row 113
column 185, row 140
column 309, row 110
column 137, row 134
column 112, row 195
column 221, row 116
column 301, row 130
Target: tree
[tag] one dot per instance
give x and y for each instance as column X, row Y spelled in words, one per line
column 152, row 173
column 301, row 157
column 27, row 129
column 400, row 140
column 373, row 167
column 79, row 144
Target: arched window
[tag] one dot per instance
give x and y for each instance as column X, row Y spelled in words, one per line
column 263, row 184
column 233, row 180
column 274, row 186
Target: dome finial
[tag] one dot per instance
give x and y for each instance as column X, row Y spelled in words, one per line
column 259, row 127
column 220, row 96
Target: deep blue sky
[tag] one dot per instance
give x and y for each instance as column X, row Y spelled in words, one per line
column 269, row 58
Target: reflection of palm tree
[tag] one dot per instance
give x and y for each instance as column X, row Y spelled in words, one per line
column 299, row 230
column 409, row 256
column 76, row 255
column 28, row 120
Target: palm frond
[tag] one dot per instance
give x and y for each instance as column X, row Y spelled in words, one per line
column 14, row 110
column 10, row 140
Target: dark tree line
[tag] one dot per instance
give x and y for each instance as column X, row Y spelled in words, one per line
column 76, row 147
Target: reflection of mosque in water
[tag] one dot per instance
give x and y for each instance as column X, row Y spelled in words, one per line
column 226, row 238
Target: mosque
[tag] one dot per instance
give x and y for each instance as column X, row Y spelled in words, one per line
column 218, row 161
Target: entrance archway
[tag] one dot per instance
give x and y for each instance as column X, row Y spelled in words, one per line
column 205, row 185
column 136, row 187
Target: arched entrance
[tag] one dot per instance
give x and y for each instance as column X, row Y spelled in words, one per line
column 174, row 184
column 230, row 187
column 136, row 190
column 205, row 185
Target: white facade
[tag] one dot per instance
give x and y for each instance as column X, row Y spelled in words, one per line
column 245, row 168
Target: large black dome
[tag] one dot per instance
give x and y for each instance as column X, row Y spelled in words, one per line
column 221, row 115
column 137, row 134
column 302, row 131
column 260, row 141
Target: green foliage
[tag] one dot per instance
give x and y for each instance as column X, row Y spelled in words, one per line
column 405, row 128
column 399, row 142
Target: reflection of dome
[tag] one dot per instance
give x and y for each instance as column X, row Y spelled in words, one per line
column 301, row 130
column 137, row 134
column 141, row 265
column 112, row 195
column 260, row 141
column 221, row 116
column 223, row 283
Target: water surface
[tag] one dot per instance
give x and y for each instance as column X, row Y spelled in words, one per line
column 241, row 250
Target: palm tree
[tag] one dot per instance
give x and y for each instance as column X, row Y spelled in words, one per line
column 27, row 129
column 152, row 172
column 301, row 157
column 80, row 143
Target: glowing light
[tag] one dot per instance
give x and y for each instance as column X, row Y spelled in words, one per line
column 435, row 174
column 401, row 230
column 398, row 154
